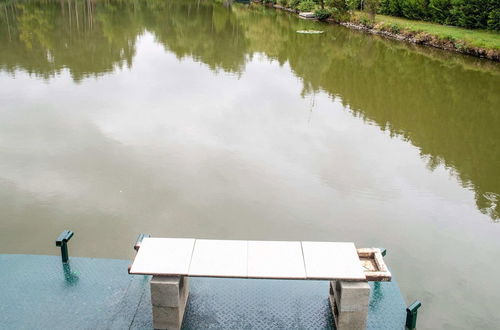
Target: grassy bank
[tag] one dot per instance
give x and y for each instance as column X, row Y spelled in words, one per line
column 475, row 38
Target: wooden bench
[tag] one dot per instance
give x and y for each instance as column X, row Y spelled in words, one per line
column 172, row 260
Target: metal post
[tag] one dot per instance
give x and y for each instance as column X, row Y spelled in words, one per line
column 64, row 252
column 62, row 241
column 411, row 315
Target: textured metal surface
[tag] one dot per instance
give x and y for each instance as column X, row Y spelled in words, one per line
column 37, row 292
column 387, row 307
column 258, row 304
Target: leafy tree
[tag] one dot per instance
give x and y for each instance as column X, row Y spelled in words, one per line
column 340, row 9
column 494, row 19
column 439, row 11
column 473, row 14
column 415, row 9
column 371, row 7
column 391, row 7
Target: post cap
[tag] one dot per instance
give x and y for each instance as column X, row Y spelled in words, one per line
column 64, row 237
column 414, row 306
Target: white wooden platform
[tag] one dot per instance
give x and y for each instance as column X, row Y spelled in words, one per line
column 248, row 259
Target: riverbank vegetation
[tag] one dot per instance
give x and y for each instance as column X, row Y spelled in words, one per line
column 477, row 38
column 471, row 14
column 367, row 15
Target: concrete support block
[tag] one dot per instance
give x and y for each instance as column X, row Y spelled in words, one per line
column 351, row 296
column 349, row 302
column 169, row 297
column 169, row 318
column 168, row 291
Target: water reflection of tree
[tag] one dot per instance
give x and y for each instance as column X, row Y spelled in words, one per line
column 84, row 36
column 208, row 33
column 90, row 37
column 425, row 98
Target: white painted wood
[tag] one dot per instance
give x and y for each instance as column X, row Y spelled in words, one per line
column 252, row 259
column 332, row 260
column 163, row 256
column 268, row 259
column 218, row 258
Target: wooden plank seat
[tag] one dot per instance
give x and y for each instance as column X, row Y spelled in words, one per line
column 172, row 260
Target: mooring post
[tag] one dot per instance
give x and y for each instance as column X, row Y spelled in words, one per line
column 411, row 315
column 62, row 241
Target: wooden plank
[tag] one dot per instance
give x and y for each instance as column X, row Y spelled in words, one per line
column 216, row 258
column 332, row 260
column 374, row 265
column 259, row 259
column 281, row 260
column 163, row 256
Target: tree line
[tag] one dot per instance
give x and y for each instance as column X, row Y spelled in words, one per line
column 471, row 14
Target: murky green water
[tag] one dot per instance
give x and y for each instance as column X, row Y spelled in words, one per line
column 195, row 119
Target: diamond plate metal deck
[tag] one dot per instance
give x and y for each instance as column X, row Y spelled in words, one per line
column 37, row 292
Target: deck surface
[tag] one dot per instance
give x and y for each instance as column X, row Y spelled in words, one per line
column 37, row 292
column 248, row 259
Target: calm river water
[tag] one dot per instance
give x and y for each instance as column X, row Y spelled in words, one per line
column 197, row 119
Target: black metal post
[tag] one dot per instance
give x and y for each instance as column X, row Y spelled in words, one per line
column 62, row 241
column 411, row 315
column 64, row 252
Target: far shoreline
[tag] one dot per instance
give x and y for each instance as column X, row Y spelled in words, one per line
column 413, row 37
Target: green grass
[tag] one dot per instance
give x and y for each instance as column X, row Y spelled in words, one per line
column 477, row 38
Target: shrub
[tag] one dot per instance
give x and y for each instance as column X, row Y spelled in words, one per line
column 294, row 4
column 439, row 11
column 322, row 14
column 414, row 9
column 391, row 7
column 371, row 7
column 284, row 3
column 394, row 28
column 340, row 10
column 494, row 20
column 366, row 21
column 307, row 5
column 473, row 14
column 353, row 4
column 422, row 37
column 448, row 38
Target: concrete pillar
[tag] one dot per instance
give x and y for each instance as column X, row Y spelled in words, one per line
column 169, row 297
column 349, row 302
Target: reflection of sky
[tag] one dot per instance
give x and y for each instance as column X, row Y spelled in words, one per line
column 222, row 136
column 173, row 149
